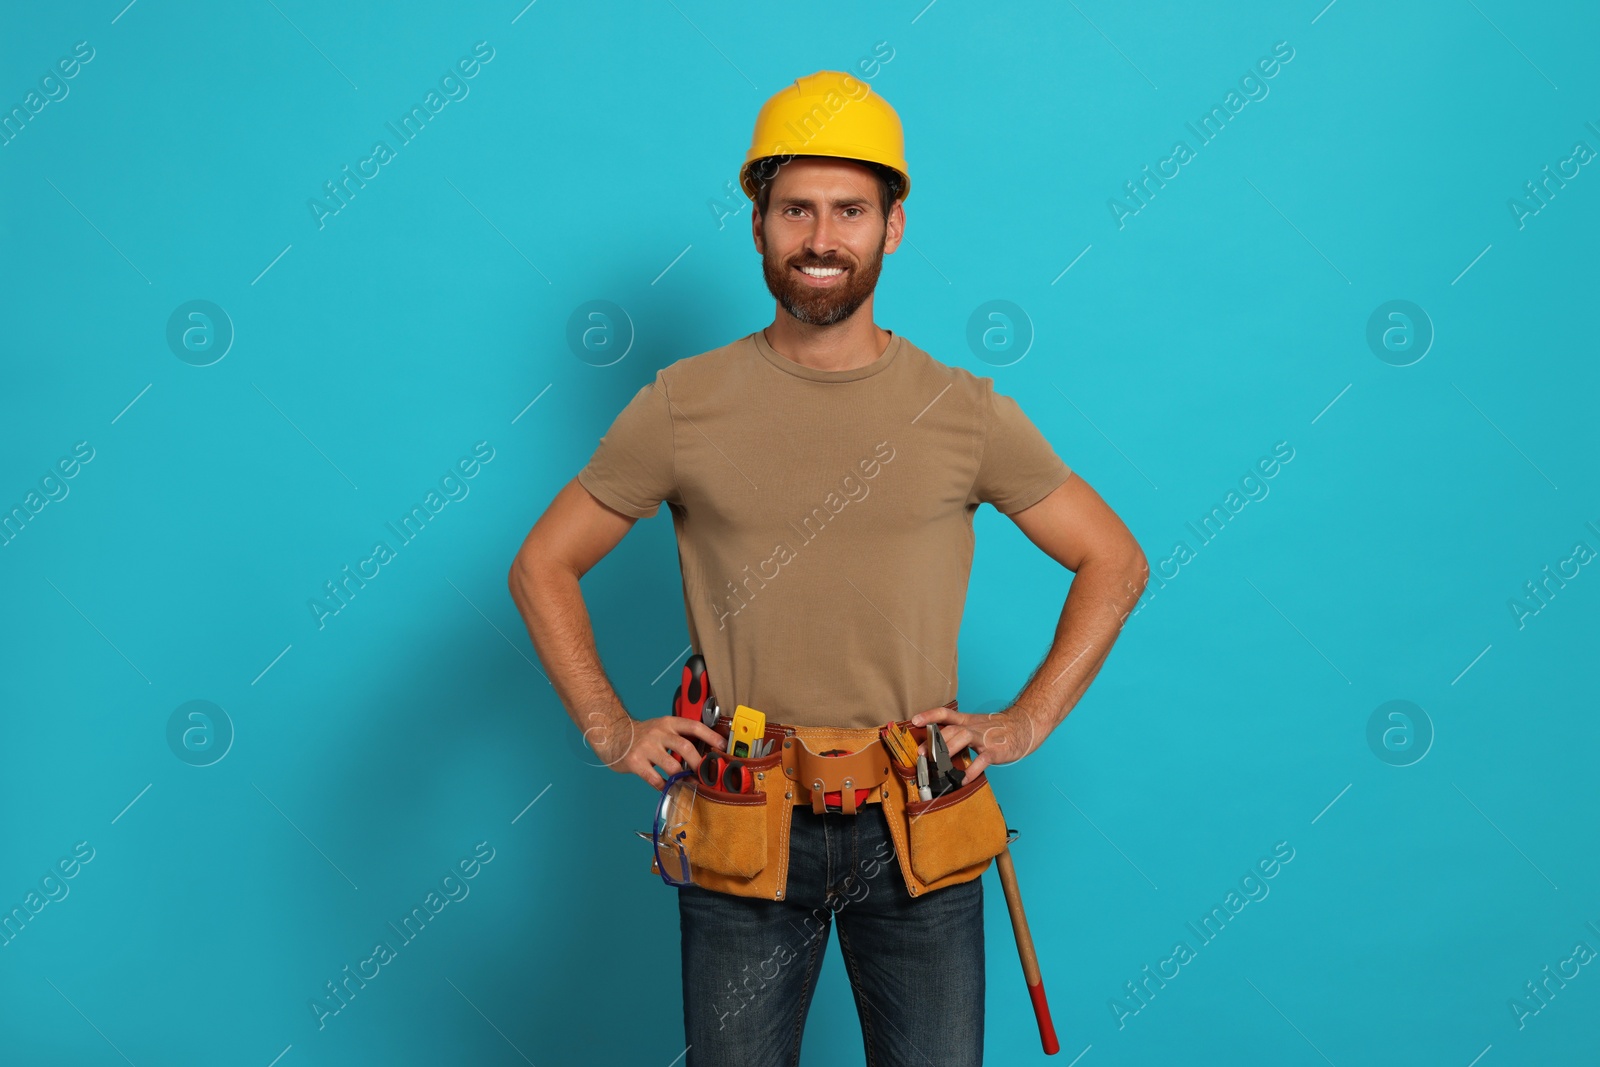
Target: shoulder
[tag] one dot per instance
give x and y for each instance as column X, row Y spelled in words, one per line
column 693, row 373
column 960, row 384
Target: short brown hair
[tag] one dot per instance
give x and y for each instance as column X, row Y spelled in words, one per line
column 764, row 171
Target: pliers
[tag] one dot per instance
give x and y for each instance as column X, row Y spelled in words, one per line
column 945, row 775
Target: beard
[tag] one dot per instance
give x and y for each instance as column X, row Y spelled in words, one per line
column 822, row 307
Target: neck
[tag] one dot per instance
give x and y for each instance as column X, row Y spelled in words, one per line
column 845, row 345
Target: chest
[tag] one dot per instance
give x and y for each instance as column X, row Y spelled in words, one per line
column 745, row 473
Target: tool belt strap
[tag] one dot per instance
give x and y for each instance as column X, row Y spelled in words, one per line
column 842, row 783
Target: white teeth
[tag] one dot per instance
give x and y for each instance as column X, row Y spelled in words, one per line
column 823, row 272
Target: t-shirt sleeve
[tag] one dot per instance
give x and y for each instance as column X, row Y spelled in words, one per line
column 1018, row 467
column 632, row 469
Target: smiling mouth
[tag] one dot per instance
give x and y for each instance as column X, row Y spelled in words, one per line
column 821, row 275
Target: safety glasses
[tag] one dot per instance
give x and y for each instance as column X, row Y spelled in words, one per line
column 670, row 834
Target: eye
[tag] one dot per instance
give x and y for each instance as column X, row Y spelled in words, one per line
column 857, row 210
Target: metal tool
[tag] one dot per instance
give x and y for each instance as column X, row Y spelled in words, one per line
column 711, row 712
column 940, row 770
column 924, row 792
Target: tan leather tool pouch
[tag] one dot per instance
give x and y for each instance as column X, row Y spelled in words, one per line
column 947, row 840
column 738, row 843
column 728, row 832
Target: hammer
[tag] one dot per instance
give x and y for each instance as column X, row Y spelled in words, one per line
column 1030, row 959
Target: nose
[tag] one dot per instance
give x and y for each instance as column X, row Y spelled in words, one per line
column 824, row 238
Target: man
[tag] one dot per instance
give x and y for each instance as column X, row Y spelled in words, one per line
column 822, row 476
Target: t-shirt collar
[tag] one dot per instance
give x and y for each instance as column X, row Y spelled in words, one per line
column 789, row 366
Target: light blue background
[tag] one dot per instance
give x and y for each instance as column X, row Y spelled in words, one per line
column 1229, row 314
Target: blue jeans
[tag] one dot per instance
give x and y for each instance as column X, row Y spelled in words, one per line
column 915, row 963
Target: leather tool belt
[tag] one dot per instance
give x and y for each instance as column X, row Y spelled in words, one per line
column 738, row 843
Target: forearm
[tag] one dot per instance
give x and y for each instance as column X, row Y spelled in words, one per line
column 552, row 607
column 1103, row 594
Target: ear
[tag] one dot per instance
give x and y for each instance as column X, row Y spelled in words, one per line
column 895, row 227
column 755, row 229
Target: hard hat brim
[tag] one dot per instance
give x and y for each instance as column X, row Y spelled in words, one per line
column 748, row 184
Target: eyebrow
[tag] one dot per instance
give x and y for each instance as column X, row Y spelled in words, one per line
column 798, row 201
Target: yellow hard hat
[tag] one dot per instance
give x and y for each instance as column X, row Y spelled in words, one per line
column 829, row 113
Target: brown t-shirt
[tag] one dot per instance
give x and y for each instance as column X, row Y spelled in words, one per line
column 824, row 518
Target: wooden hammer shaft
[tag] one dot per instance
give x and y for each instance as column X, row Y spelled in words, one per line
column 1030, row 959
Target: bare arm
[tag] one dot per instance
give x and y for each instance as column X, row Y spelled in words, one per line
column 1077, row 529
column 575, row 532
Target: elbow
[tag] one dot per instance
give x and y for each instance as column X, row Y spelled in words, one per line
column 1141, row 571
column 1135, row 568
column 524, row 572
column 515, row 580
column 531, row 568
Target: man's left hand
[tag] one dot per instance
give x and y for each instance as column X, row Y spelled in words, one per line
column 1002, row 738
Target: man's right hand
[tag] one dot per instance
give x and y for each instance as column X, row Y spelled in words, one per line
column 629, row 746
